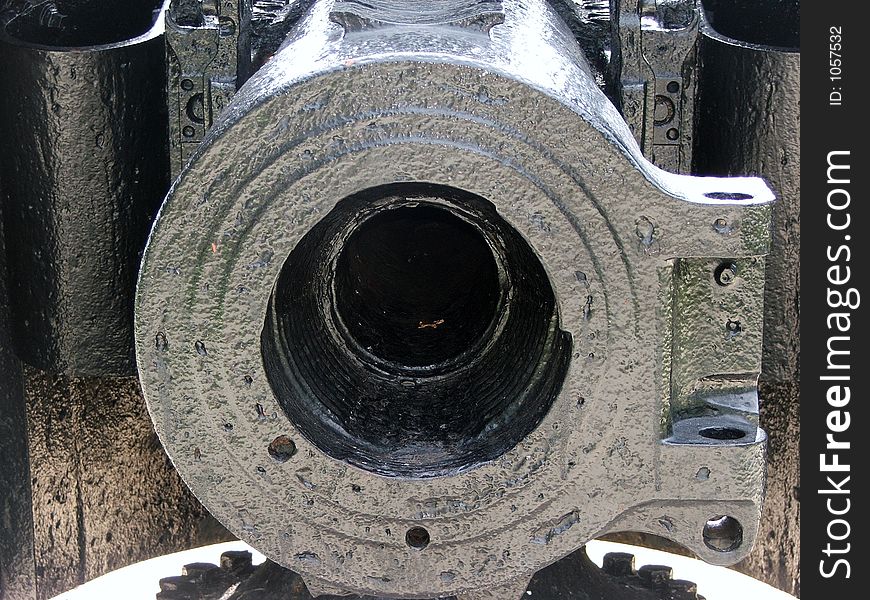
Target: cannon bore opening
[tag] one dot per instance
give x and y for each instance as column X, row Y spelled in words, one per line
column 413, row 332
column 417, row 286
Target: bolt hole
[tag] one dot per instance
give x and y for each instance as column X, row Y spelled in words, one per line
column 673, row 134
column 673, row 87
column 417, row 537
column 282, row 448
column 733, row 328
column 723, row 534
column 722, row 433
column 721, row 225
column 728, row 196
column 725, row 273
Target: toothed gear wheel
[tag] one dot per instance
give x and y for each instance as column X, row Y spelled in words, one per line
column 207, row 581
column 575, row 577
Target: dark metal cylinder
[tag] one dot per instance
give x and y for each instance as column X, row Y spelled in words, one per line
column 83, row 169
column 749, row 124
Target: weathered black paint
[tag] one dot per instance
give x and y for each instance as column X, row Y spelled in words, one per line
column 749, row 124
column 17, row 572
column 126, row 545
column 84, row 168
column 84, row 486
column 104, row 492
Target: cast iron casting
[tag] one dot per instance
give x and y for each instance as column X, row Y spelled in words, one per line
column 433, row 298
column 575, row 577
column 418, row 317
column 84, row 169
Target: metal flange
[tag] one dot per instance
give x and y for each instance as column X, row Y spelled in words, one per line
column 616, row 393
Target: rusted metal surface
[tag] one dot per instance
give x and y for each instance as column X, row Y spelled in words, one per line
column 85, row 486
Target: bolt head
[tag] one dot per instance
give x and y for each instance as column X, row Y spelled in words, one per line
column 726, row 273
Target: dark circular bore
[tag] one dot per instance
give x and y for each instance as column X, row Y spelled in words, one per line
column 728, row 196
column 413, row 332
column 417, row 537
column 416, row 286
column 723, row 534
column 722, row 433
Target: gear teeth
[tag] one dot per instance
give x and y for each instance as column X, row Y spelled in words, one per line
column 618, row 564
column 680, row 589
column 197, row 571
column 176, row 587
column 238, row 562
column 207, row 581
column 655, row 576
